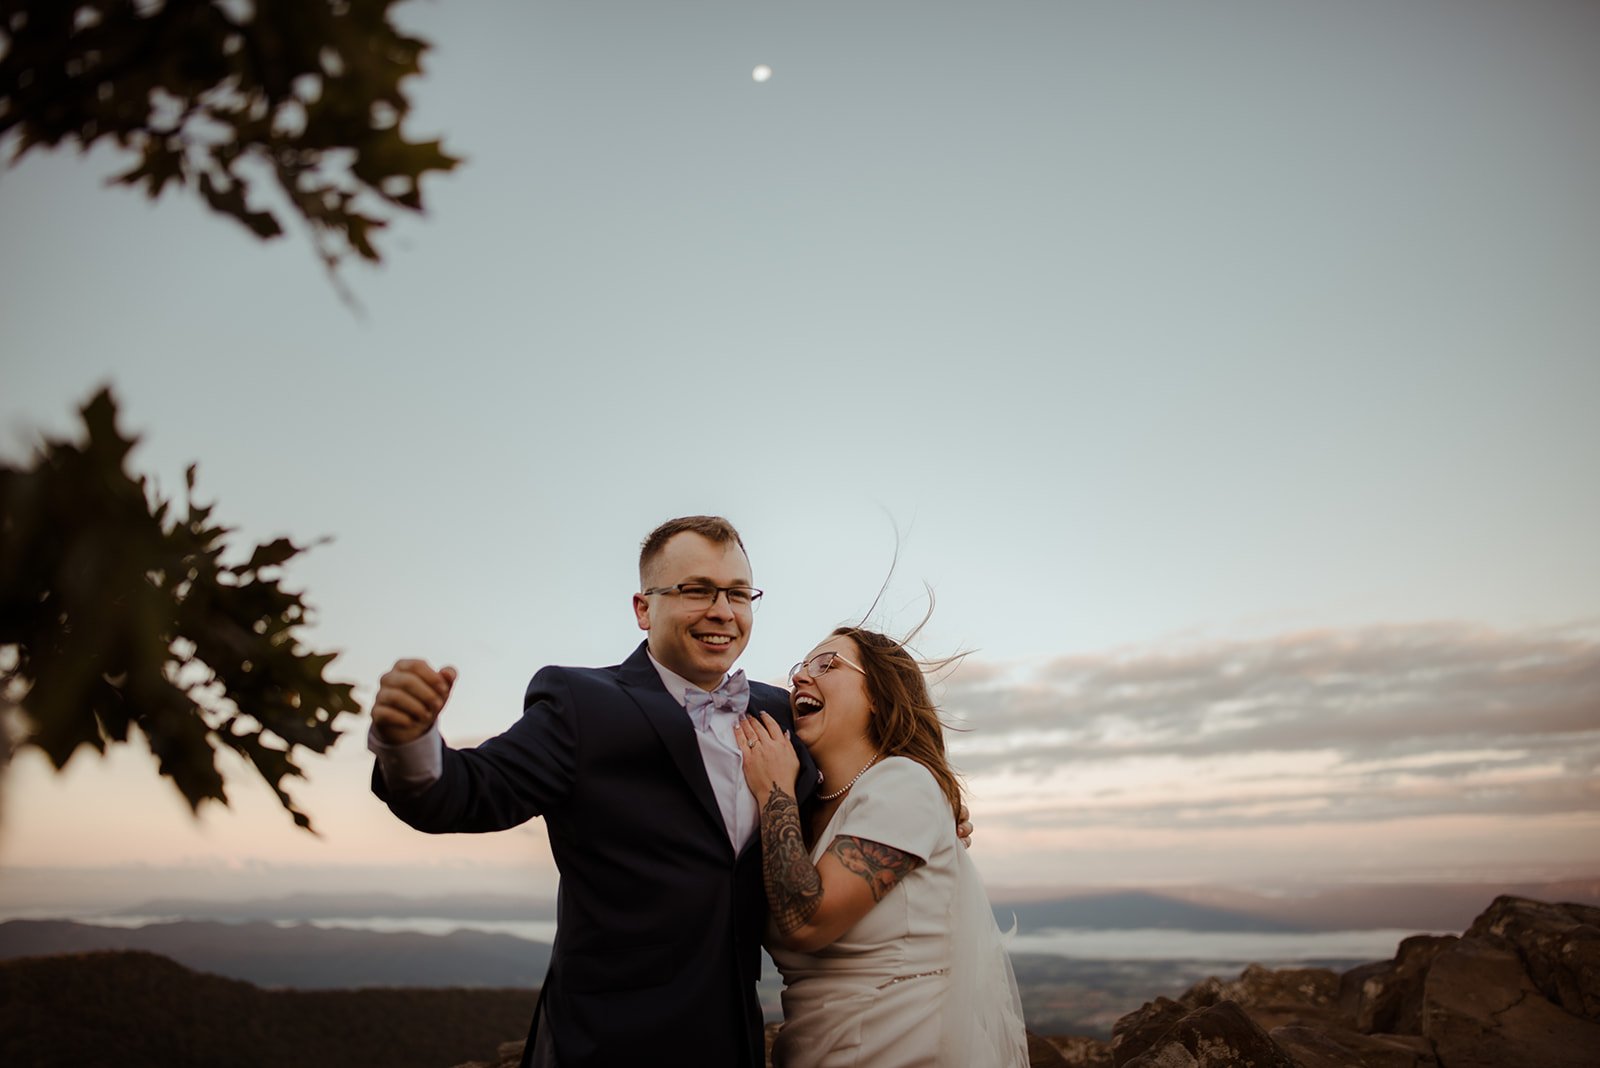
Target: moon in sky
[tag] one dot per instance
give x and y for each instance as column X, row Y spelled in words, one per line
column 761, row 73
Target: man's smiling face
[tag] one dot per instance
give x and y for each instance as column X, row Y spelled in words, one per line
column 698, row 642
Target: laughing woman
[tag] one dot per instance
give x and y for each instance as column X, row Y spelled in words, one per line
column 879, row 923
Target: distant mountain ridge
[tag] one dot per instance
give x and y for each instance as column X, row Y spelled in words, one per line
column 1134, row 910
column 327, row 906
column 1449, row 906
column 302, row 957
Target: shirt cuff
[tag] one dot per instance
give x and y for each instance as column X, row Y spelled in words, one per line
column 410, row 767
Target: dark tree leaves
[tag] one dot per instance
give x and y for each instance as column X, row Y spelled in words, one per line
column 226, row 94
column 115, row 613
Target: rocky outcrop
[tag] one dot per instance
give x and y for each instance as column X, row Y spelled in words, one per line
column 1482, row 1010
column 1288, row 997
column 1519, row 989
column 1044, row 1054
column 1385, row 997
column 1558, row 945
column 1077, row 1051
column 1309, row 1047
column 1219, row 1035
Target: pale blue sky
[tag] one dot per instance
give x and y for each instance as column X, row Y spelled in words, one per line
column 1152, row 327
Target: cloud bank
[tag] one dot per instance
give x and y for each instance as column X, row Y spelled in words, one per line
column 1385, row 723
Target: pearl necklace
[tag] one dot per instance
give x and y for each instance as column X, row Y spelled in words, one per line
column 852, row 782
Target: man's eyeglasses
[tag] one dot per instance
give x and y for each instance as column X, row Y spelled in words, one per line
column 704, row 595
column 820, row 665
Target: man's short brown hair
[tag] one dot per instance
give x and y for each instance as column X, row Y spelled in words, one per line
column 712, row 527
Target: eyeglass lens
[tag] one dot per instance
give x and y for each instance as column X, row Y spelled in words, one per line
column 737, row 595
column 816, row 666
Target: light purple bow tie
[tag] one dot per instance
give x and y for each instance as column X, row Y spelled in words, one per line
column 732, row 696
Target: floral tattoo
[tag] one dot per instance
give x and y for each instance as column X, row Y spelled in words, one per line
column 880, row 865
column 794, row 889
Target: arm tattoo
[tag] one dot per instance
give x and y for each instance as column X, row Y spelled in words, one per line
column 794, row 889
column 880, row 865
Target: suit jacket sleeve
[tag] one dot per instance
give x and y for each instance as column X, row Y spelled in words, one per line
column 525, row 772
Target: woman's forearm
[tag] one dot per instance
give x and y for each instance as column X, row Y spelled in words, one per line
column 794, row 889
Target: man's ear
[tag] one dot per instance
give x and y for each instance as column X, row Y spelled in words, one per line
column 641, row 611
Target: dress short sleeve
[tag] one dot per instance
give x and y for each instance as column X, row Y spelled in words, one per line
column 898, row 803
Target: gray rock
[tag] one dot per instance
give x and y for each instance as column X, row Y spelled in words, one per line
column 1080, row 1051
column 1482, row 1010
column 1044, row 1054
column 1142, row 1028
column 1287, row 996
column 1559, row 946
column 1217, row 1036
column 1386, row 996
column 1310, row 1047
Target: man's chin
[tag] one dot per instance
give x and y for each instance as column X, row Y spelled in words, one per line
column 722, row 653
column 710, row 665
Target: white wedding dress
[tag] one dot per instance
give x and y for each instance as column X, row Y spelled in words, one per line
column 922, row 980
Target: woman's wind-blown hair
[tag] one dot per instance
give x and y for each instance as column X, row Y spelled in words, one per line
column 903, row 720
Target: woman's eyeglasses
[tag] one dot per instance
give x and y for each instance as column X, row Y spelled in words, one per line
column 820, row 665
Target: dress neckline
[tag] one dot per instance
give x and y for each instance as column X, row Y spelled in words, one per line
column 824, row 838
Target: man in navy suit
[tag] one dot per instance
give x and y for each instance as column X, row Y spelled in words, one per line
column 638, row 776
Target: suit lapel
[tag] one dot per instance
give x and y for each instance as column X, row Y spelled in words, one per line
column 642, row 683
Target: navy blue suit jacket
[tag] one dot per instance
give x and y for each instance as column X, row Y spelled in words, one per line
column 658, row 946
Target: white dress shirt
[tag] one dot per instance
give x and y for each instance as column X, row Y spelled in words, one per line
column 724, row 760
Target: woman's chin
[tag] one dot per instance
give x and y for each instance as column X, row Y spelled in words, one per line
column 809, row 729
